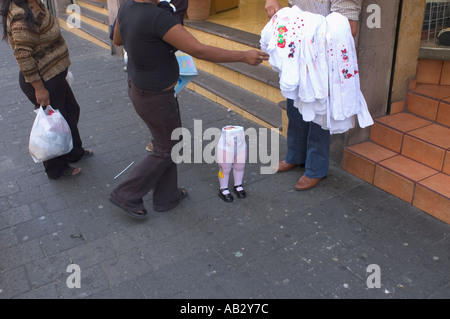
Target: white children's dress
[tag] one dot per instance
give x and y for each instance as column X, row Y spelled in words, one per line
column 315, row 57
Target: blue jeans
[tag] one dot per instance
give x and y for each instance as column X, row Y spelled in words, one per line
column 307, row 143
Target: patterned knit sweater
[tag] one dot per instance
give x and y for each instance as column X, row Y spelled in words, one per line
column 40, row 53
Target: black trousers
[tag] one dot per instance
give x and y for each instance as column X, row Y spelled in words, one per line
column 158, row 172
column 62, row 99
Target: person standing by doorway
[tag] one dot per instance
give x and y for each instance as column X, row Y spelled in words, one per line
column 308, row 144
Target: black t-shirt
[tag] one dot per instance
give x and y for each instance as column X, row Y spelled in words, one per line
column 152, row 64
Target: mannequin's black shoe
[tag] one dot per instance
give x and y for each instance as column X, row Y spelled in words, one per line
column 241, row 193
column 225, row 197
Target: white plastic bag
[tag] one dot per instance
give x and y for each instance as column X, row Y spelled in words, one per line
column 50, row 135
column 69, row 78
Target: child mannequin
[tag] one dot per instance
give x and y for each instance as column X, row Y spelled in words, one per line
column 231, row 152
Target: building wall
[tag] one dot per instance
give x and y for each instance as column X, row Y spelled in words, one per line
column 383, row 81
column 375, row 58
column 408, row 47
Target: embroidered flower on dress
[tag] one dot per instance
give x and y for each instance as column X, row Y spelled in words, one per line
column 281, row 41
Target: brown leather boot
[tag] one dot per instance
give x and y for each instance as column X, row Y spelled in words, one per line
column 283, row 167
column 305, row 183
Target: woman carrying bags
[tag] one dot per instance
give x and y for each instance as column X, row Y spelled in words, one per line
column 43, row 59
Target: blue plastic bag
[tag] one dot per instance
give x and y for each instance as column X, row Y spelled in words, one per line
column 187, row 70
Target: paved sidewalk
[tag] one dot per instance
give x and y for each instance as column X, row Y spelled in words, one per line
column 277, row 243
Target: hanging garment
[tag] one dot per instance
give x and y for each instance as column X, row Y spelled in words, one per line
column 315, row 57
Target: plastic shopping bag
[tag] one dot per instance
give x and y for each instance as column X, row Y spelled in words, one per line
column 50, row 135
column 69, row 78
column 187, row 70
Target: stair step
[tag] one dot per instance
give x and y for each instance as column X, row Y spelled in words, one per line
column 445, row 77
column 361, row 159
column 94, row 26
column 432, row 195
column 431, row 102
column 221, row 31
column 388, row 131
column 413, row 137
column 429, row 71
column 438, row 92
column 403, row 122
column 413, row 182
column 422, row 106
column 97, row 6
column 398, row 175
column 87, row 32
column 232, row 39
column 443, row 116
column 93, row 18
column 428, row 145
column 432, row 71
column 260, row 80
column 233, row 97
column 446, row 168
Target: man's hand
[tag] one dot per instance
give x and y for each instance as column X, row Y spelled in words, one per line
column 272, row 6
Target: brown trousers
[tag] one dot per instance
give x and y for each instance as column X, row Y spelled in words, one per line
column 158, row 172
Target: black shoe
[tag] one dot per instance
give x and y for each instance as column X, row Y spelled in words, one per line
column 225, row 197
column 240, row 194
